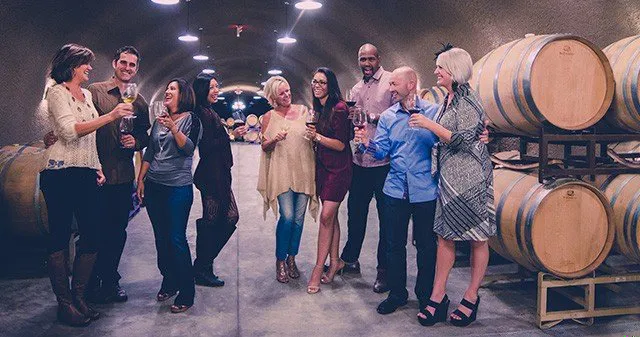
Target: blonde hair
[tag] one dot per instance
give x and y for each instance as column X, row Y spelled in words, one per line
column 458, row 63
column 271, row 89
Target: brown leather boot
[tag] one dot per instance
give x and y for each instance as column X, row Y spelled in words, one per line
column 292, row 267
column 67, row 312
column 82, row 267
column 281, row 272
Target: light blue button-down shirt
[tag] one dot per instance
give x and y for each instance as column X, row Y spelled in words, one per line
column 409, row 151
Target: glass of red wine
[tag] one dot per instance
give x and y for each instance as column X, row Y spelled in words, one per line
column 359, row 121
column 414, row 109
column 310, row 120
column 126, row 126
column 351, row 102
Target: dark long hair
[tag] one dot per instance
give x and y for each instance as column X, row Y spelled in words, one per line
column 186, row 102
column 201, row 91
column 334, row 97
column 69, row 57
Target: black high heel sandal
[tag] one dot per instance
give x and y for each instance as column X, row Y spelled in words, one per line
column 464, row 319
column 439, row 315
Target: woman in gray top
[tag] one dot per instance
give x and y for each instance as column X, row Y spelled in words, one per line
column 465, row 210
column 165, row 183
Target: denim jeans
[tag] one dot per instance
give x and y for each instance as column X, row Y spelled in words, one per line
column 292, row 207
column 398, row 212
column 168, row 208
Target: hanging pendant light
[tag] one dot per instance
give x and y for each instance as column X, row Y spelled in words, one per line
column 286, row 39
column 308, row 5
column 187, row 36
column 166, row 2
column 200, row 56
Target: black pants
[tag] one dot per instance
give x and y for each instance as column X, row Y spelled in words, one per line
column 366, row 183
column 117, row 202
column 398, row 212
column 213, row 230
column 68, row 192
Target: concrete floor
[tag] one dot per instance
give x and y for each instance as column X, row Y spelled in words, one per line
column 253, row 303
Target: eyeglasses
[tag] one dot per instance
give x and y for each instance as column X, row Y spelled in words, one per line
column 315, row 82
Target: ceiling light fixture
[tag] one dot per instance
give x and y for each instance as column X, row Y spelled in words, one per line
column 220, row 98
column 263, row 83
column 257, row 97
column 208, row 71
column 166, row 2
column 308, row 5
column 187, row 37
column 200, row 56
column 275, row 72
column 286, row 39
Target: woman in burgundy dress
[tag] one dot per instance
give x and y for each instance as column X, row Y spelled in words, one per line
column 333, row 170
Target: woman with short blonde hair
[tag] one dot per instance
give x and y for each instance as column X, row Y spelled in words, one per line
column 465, row 210
column 287, row 173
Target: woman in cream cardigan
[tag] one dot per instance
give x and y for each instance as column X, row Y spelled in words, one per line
column 287, row 173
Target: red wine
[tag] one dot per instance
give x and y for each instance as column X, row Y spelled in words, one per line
column 351, row 103
column 414, row 111
column 311, row 123
column 238, row 123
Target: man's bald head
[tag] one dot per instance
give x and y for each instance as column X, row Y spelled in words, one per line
column 403, row 83
column 369, row 60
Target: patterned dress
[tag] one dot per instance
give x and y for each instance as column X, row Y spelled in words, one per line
column 465, row 209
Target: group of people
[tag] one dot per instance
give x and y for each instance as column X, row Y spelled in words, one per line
column 421, row 161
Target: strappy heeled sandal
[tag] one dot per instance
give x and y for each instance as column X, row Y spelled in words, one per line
column 314, row 288
column 326, row 279
column 464, row 319
column 439, row 315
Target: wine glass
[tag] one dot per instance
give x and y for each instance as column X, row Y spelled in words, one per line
column 310, row 120
column 351, row 102
column 413, row 108
column 129, row 92
column 359, row 120
column 126, row 126
column 159, row 110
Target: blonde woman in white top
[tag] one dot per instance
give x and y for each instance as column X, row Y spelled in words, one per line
column 70, row 179
column 287, row 173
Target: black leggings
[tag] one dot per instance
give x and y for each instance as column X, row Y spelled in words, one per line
column 68, row 192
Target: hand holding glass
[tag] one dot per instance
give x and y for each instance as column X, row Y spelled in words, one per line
column 126, row 126
column 359, row 121
column 129, row 93
column 310, row 121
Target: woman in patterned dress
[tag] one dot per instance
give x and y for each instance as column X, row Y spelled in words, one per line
column 465, row 210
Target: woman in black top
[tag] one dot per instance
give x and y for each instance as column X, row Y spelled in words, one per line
column 213, row 179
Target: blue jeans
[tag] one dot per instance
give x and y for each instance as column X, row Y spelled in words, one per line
column 292, row 207
column 168, row 208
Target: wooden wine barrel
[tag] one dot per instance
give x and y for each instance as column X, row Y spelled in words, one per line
column 563, row 228
column 24, row 212
column 260, row 120
column 561, row 79
column 252, row 120
column 230, row 122
column 623, row 192
column 252, row 136
column 624, row 57
column 434, row 94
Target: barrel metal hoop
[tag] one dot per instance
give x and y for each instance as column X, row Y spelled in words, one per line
column 496, row 94
column 501, row 202
column 480, row 75
column 607, row 182
column 526, row 81
column 621, row 50
column 634, row 85
column 527, row 197
column 627, row 214
column 527, row 228
column 616, row 194
column 516, row 90
column 632, row 233
column 625, row 84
